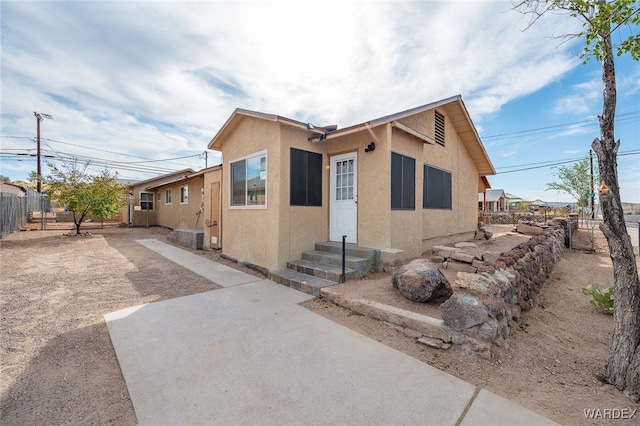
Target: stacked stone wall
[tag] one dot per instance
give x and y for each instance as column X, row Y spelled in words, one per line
column 487, row 304
column 512, row 218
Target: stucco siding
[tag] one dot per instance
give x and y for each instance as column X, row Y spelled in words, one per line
column 252, row 234
column 414, row 230
column 301, row 226
column 178, row 214
column 458, row 223
column 373, row 184
column 210, row 177
column 142, row 217
column 406, row 226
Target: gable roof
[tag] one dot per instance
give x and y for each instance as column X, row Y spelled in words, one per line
column 453, row 106
column 12, row 188
column 164, row 178
column 459, row 116
column 239, row 113
column 483, row 184
column 491, row 195
column 183, row 178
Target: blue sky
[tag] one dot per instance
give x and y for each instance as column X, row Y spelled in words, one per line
column 141, row 87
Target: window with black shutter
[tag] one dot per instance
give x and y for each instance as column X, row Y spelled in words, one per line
column 436, row 188
column 403, row 182
column 306, row 178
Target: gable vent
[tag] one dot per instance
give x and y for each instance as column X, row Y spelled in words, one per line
column 439, row 128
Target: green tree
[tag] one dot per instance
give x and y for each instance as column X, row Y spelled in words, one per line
column 600, row 19
column 575, row 180
column 5, row 179
column 100, row 196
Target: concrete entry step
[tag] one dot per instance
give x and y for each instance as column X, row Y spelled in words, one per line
column 321, row 270
column 300, row 281
column 357, row 264
column 322, row 267
column 372, row 255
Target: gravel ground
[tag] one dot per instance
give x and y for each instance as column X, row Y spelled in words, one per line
column 58, row 365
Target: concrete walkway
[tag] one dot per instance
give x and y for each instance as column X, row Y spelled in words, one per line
column 249, row 354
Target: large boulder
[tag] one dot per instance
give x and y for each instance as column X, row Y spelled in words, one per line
column 463, row 310
column 523, row 228
column 421, row 281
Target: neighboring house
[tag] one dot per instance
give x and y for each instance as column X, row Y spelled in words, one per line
column 483, row 186
column 493, row 201
column 515, row 201
column 16, row 202
column 405, row 181
column 538, row 204
column 10, row 188
column 34, row 202
column 142, row 208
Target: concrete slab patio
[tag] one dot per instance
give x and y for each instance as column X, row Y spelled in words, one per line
column 249, row 354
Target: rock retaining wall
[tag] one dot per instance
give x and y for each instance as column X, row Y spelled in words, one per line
column 486, row 304
column 512, row 218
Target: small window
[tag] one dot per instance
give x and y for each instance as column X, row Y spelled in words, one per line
column 167, row 197
column 436, row 188
column 306, row 178
column 184, row 194
column 439, row 128
column 249, row 181
column 403, row 182
column 146, row 200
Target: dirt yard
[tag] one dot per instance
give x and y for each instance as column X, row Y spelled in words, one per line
column 58, row 365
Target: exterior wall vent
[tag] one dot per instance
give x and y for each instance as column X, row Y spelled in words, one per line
column 439, row 128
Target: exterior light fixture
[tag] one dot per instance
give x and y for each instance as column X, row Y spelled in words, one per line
column 371, row 147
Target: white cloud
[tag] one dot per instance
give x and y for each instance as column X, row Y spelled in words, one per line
column 158, row 79
column 582, row 99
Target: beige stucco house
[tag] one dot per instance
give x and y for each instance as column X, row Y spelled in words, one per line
column 405, row 181
column 184, row 200
column 143, row 202
column 493, row 201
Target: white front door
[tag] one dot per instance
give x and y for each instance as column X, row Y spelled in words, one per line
column 343, row 215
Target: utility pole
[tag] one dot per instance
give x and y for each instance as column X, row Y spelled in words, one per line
column 39, row 118
column 592, row 193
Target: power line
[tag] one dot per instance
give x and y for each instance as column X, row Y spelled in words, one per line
column 128, row 155
column 620, row 118
column 108, row 151
column 622, row 154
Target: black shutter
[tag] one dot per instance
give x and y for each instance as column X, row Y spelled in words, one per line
column 408, row 183
column 314, row 179
column 447, row 190
column 403, row 182
column 298, row 177
column 305, row 178
column 396, row 181
column 436, row 190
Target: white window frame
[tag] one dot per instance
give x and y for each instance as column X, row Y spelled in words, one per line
column 266, row 182
column 153, row 200
column 184, row 194
column 168, row 196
